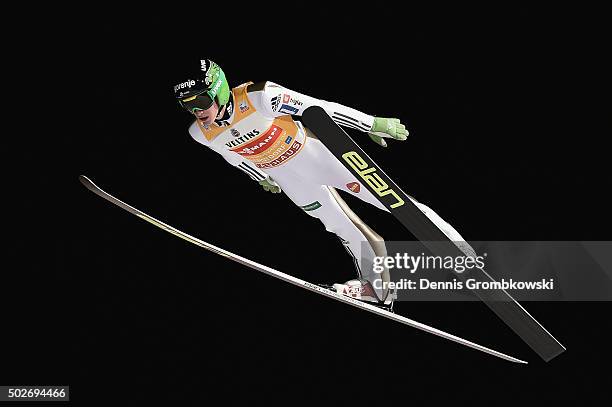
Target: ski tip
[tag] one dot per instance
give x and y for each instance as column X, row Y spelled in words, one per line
column 85, row 181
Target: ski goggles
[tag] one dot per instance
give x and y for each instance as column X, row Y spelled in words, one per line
column 198, row 102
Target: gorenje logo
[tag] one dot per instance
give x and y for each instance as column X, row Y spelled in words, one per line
column 369, row 175
column 183, row 85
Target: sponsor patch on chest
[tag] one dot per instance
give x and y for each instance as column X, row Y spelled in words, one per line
column 241, row 138
column 260, row 144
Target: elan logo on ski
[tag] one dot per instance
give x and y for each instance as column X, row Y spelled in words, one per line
column 354, row 186
column 370, row 176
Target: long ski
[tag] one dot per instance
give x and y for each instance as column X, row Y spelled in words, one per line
column 412, row 218
column 290, row 279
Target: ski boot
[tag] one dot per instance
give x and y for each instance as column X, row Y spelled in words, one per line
column 362, row 290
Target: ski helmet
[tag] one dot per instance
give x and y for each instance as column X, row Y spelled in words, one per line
column 202, row 87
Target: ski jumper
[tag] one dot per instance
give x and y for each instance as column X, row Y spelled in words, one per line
column 259, row 136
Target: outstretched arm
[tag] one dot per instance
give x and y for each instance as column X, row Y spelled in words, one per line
column 277, row 100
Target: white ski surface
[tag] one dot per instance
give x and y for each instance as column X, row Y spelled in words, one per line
column 293, row 280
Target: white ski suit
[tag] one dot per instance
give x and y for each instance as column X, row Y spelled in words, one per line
column 259, row 136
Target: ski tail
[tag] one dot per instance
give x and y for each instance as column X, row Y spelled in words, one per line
column 290, row 279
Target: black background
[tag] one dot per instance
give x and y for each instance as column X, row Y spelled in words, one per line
column 508, row 112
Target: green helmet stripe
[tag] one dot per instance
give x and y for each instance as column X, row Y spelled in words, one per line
column 219, row 88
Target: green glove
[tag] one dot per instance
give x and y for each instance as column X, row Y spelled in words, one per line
column 270, row 185
column 389, row 128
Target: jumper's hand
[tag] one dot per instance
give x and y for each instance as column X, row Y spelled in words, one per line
column 387, row 128
column 270, row 185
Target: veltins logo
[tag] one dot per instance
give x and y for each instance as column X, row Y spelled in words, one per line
column 369, row 175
